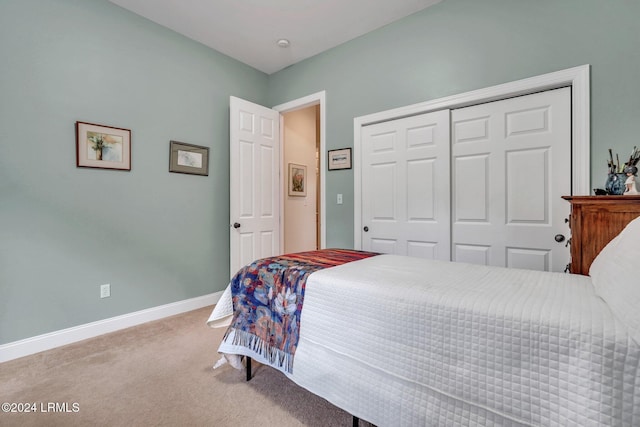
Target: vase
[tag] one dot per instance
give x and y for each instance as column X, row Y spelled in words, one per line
column 615, row 183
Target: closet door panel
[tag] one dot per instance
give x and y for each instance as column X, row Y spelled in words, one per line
column 510, row 162
column 406, row 186
column 471, row 199
column 421, row 201
column 384, row 201
column 528, row 195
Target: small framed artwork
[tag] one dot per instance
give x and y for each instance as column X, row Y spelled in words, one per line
column 102, row 147
column 297, row 180
column 188, row 158
column 340, row 159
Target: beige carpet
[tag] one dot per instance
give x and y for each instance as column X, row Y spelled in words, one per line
column 156, row 374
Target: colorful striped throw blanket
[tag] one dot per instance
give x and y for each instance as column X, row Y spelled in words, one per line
column 268, row 295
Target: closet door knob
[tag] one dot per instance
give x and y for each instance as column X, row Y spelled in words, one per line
column 366, row 229
column 236, row 225
column 559, row 238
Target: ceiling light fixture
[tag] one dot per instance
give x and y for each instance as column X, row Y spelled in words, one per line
column 283, row 43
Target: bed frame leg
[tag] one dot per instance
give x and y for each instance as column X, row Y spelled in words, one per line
column 356, row 420
column 248, row 368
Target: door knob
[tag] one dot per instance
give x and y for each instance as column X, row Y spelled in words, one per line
column 366, row 229
column 559, row 238
column 236, row 225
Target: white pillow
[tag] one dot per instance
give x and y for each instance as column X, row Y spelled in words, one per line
column 616, row 278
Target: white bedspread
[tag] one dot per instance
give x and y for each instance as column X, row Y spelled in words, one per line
column 401, row 341
column 222, row 311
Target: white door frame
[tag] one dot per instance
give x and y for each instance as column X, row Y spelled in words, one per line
column 577, row 78
column 318, row 98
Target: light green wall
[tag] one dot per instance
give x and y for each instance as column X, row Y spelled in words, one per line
column 159, row 237
column 156, row 237
column 461, row 45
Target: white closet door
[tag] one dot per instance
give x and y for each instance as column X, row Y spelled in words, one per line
column 510, row 166
column 406, row 186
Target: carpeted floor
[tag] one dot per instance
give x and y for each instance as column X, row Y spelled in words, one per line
column 156, row 374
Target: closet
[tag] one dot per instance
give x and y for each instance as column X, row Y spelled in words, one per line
column 479, row 184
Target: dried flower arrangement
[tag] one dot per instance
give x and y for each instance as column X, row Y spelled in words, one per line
column 615, row 183
column 616, row 167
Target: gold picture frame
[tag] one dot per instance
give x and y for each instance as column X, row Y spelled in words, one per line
column 297, row 180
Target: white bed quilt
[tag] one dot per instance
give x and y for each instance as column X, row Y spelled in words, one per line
column 401, row 341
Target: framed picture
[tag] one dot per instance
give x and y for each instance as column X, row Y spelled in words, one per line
column 297, row 180
column 340, row 159
column 103, row 147
column 188, row 158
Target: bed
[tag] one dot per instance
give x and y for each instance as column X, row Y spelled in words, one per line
column 404, row 341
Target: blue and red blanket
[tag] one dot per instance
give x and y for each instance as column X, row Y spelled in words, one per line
column 268, row 295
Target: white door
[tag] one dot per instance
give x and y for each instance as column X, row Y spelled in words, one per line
column 511, row 163
column 254, row 183
column 405, row 186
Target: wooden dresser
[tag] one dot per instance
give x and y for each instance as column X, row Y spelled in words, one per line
column 595, row 220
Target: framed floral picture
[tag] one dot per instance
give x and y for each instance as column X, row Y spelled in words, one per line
column 188, row 158
column 102, row 147
column 297, row 180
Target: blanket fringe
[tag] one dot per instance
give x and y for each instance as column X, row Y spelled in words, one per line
column 274, row 356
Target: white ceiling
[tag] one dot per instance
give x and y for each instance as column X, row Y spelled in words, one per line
column 248, row 30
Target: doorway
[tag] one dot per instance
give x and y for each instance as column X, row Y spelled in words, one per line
column 301, row 167
column 313, row 107
column 258, row 178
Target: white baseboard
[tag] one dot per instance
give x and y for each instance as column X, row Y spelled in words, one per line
column 25, row 347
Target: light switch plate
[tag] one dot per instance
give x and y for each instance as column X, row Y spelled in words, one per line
column 105, row 291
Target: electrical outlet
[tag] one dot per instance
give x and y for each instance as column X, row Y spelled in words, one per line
column 105, row 291
column 339, row 199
